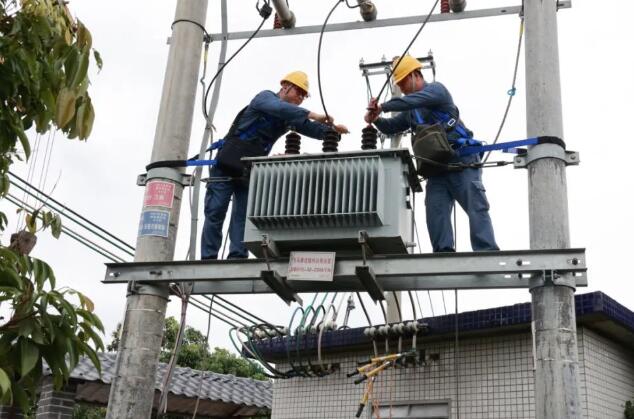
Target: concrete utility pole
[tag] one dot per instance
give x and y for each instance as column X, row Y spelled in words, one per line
column 132, row 390
column 554, row 333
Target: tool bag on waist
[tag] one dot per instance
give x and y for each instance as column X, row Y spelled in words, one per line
column 432, row 150
column 236, row 146
column 234, row 149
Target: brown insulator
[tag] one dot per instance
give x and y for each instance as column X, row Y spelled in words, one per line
column 368, row 138
column 292, row 143
column 277, row 23
column 330, row 142
column 444, row 6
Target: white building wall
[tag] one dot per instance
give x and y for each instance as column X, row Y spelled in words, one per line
column 495, row 380
column 609, row 375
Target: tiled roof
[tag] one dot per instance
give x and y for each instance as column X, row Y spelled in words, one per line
column 594, row 308
column 185, row 382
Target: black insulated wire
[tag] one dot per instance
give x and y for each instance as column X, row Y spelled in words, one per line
column 387, row 81
column 398, row 307
column 243, row 310
column 206, row 38
column 321, row 36
column 71, row 233
column 66, row 209
column 364, row 309
column 61, row 212
column 206, row 96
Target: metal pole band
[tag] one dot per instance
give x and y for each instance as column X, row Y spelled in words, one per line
column 542, row 151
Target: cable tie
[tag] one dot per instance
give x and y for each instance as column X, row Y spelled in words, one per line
column 265, row 11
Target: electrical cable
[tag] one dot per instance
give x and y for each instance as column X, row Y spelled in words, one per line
column 387, row 81
column 411, row 299
column 70, row 233
column 65, row 208
column 239, row 308
column 29, row 174
column 202, row 376
column 431, row 305
column 512, row 90
column 383, row 310
column 321, row 35
column 398, row 307
column 56, row 209
column 264, row 18
column 364, row 309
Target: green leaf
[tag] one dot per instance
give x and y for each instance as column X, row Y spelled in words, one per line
column 24, row 141
column 29, row 354
column 5, row 382
column 65, row 107
column 84, row 38
column 56, row 226
column 31, row 223
column 85, row 119
column 87, row 350
column 98, row 59
column 81, row 70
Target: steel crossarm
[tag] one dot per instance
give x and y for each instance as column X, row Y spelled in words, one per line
column 380, row 23
column 465, row 270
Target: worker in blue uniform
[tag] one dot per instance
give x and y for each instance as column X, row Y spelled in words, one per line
column 431, row 103
column 253, row 132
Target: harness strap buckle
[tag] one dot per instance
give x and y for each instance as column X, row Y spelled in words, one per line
column 451, row 122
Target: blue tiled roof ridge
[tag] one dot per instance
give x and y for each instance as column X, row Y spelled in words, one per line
column 512, row 315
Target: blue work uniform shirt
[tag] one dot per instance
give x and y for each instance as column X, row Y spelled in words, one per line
column 272, row 117
column 433, row 97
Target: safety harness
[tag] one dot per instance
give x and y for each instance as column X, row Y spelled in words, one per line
column 446, row 138
column 232, row 148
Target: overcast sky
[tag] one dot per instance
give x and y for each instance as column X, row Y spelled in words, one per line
column 475, row 61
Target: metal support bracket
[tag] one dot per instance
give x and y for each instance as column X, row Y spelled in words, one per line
column 365, row 273
column 280, row 287
column 366, row 250
column 165, row 173
column 553, row 278
column 571, row 158
column 368, row 279
column 157, row 290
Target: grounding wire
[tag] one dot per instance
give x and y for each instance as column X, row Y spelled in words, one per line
column 511, row 92
column 431, row 305
column 398, row 307
column 243, row 347
column 214, row 313
column 206, row 95
column 321, row 36
column 367, row 316
column 239, row 308
column 70, row 233
column 54, row 208
column 208, row 132
column 220, row 302
column 411, row 299
column 65, row 208
column 387, row 81
column 383, row 310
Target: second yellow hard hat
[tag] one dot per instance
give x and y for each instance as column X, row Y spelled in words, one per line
column 298, row 78
column 406, row 66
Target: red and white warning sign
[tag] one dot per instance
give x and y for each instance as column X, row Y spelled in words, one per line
column 311, row 266
column 159, row 194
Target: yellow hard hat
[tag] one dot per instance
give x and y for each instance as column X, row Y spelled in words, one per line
column 406, row 66
column 298, row 78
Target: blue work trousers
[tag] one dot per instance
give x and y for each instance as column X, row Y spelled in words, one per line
column 467, row 189
column 217, row 198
